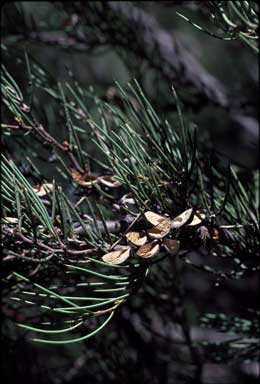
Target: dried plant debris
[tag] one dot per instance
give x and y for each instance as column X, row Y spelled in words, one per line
column 83, row 179
column 148, row 250
column 163, row 225
column 154, row 218
column 160, row 230
column 118, row 256
column 137, row 238
column 197, row 218
column 88, row 180
column 182, row 219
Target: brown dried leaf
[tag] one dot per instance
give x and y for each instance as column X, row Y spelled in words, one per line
column 182, row 219
column 85, row 180
column 137, row 238
column 154, row 218
column 148, row 250
column 109, row 181
column 117, row 257
column 172, row 246
column 160, row 230
column 197, row 219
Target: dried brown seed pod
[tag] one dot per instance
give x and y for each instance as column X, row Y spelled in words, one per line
column 154, row 218
column 117, row 257
column 182, row 219
column 137, row 238
column 148, row 250
column 197, row 218
column 160, row 230
column 85, row 180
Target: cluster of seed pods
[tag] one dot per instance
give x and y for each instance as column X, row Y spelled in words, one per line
column 148, row 243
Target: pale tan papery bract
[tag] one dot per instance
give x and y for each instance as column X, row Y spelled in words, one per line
column 137, row 238
column 154, row 218
column 117, row 257
column 148, row 250
column 85, row 180
column 160, row 230
column 182, row 219
column 197, row 219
